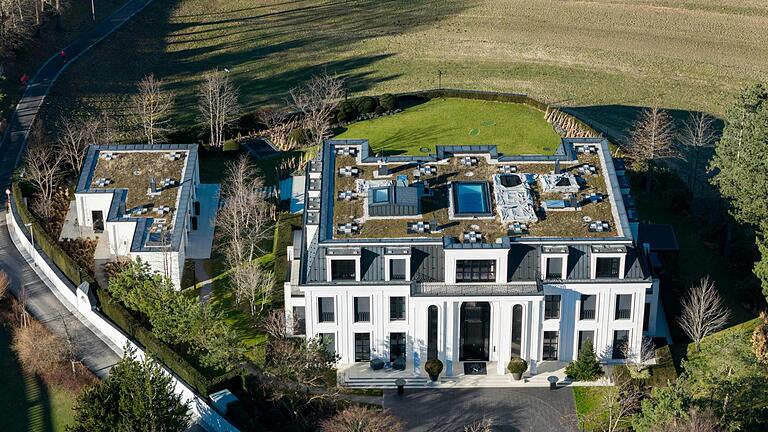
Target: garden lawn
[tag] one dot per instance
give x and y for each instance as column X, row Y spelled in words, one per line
column 514, row 128
column 586, row 400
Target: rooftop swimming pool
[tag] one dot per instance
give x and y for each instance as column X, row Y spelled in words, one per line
column 471, row 199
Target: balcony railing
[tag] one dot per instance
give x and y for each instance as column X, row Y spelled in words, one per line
column 326, row 316
column 587, row 314
column 362, row 316
column 623, row 313
column 428, row 289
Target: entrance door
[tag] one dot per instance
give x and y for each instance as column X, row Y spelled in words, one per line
column 98, row 221
column 475, row 331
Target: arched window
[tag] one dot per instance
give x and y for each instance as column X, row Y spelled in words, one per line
column 517, row 330
column 432, row 332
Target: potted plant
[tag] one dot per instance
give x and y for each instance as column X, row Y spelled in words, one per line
column 516, row 367
column 377, row 363
column 433, row 367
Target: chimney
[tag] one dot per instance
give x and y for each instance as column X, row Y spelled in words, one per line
column 557, row 166
column 152, row 186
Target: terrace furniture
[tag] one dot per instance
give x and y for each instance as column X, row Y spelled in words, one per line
column 139, row 210
column 507, row 169
column 518, row 228
column 102, row 182
column 174, row 156
column 161, row 210
column 428, row 170
column 167, row 183
column 586, row 148
column 349, row 171
column 349, row 228
column 587, row 169
column 416, row 175
column 419, row 227
column 473, row 237
column 399, row 363
column 347, row 195
column 599, row 226
column 108, row 156
column 594, row 197
column 346, row 151
column 469, row 161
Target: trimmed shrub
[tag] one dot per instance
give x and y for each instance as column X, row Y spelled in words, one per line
column 347, row 111
column 366, row 104
column 517, row 365
column 433, row 366
column 586, row 367
column 388, row 101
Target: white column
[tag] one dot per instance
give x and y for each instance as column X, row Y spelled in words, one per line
column 534, row 324
column 449, row 340
column 504, row 338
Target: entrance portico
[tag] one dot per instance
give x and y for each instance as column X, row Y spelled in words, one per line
column 476, row 329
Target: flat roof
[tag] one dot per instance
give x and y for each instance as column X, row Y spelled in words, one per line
column 587, row 205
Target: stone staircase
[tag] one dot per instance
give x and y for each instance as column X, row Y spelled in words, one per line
column 383, row 382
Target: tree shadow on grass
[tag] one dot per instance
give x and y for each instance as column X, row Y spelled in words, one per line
column 24, row 402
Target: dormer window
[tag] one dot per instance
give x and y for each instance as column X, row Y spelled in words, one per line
column 398, row 264
column 343, row 264
column 343, row 269
column 554, row 261
column 608, row 261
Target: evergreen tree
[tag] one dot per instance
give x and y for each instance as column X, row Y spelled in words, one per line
column 586, row 367
column 137, row 396
column 741, row 166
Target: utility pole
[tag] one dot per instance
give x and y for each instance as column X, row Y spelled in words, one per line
column 439, row 79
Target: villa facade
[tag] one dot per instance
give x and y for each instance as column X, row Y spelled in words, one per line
column 470, row 256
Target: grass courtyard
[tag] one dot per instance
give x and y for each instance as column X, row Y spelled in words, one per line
column 514, row 128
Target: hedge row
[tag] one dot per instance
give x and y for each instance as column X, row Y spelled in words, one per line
column 159, row 349
column 49, row 246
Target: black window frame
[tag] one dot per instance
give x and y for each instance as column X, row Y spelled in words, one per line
column 588, row 313
column 396, row 342
column 623, row 313
column 609, row 271
column 471, row 271
column 582, row 340
column 362, row 350
column 397, row 308
column 432, row 329
column 550, row 345
column 345, row 274
column 324, row 316
column 404, row 275
column 618, row 352
column 549, row 271
column 646, row 315
column 552, row 306
column 359, row 315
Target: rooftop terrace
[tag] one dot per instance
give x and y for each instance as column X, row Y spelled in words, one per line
column 549, row 197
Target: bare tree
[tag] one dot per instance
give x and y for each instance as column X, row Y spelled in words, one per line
column 152, row 108
column 37, row 348
column 361, row 419
column 70, row 345
column 696, row 421
column 218, row 104
column 253, row 286
column 5, row 283
column 43, row 168
column 616, row 407
column 652, row 137
column 638, row 357
column 76, row 135
column 484, row 425
column 703, row 311
column 241, row 222
column 698, row 133
column 316, row 102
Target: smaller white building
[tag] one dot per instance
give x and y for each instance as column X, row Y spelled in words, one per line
column 146, row 201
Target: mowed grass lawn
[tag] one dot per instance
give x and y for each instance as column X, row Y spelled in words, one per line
column 690, row 55
column 26, row 403
column 514, row 128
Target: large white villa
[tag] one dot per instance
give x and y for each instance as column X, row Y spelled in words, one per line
column 145, row 201
column 471, row 257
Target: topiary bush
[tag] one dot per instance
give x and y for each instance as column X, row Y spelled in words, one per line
column 388, row 101
column 366, row 105
column 586, row 367
column 517, row 365
column 433, row 367
column 347, row 111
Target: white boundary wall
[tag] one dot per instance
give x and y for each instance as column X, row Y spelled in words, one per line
column 81, row 307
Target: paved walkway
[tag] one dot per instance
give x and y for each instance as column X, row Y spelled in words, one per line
column 43, row 304
column 510, row 409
